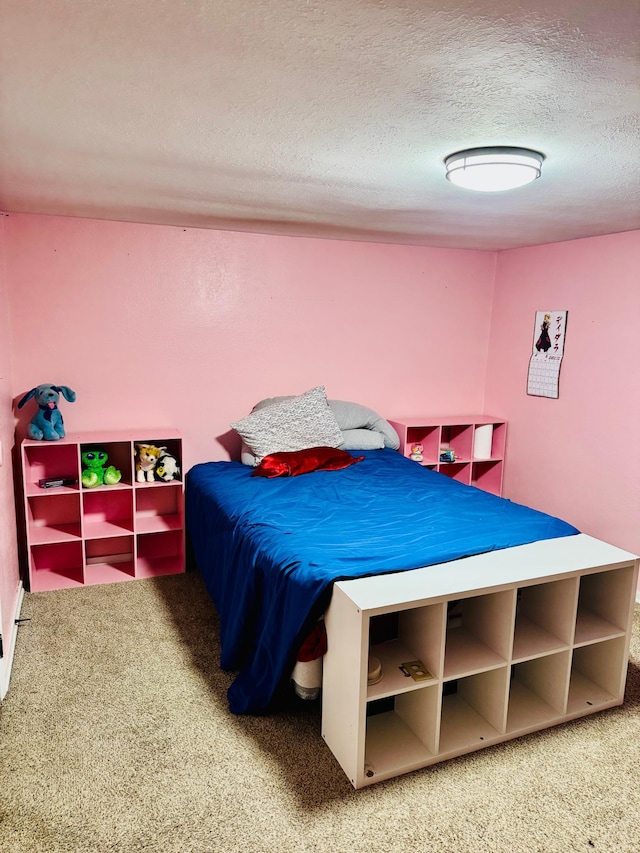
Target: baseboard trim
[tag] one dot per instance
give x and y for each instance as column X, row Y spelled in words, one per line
column 10, row 647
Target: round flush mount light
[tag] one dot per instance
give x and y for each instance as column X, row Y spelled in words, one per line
column 491, row 170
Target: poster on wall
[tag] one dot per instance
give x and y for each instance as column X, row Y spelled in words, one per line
column 546, row 357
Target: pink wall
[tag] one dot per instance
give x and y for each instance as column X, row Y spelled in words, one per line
column 9, row 573
column 152, row 325
column 578, row 456
column 189, row 328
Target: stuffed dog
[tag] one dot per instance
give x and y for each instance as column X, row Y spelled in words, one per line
column 167, row 468
column 47, row 423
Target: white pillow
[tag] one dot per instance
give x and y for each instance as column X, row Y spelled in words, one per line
column 293, row 424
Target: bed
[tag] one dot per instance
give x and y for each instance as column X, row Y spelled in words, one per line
column 270, row 550
column 433, row 617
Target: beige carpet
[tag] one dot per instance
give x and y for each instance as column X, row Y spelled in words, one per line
column 115, row 738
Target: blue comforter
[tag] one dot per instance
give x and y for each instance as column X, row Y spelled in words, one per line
column 269, row 550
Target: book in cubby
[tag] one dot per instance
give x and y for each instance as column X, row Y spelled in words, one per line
column 77, row 536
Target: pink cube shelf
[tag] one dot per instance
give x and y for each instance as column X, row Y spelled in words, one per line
column 77, row 536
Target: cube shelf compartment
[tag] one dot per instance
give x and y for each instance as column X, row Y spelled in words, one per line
column 473, row 713
column 160, row 554
column 78, row 536
column 53, row 518
column 477, row 463
column 513, row 641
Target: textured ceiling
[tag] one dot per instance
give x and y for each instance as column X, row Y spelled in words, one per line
column 322, row 117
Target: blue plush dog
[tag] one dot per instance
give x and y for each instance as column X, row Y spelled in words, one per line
column 47, row 423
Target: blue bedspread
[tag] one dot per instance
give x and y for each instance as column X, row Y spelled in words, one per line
column 270, row 549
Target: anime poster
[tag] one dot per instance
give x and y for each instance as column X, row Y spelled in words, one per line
column 546, row 357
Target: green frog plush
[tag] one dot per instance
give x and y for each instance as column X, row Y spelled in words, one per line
column 94, row 472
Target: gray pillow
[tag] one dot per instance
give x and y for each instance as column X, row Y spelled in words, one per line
column 294, row 423
column 361, row 427
column 355, row 416
column 362, row 439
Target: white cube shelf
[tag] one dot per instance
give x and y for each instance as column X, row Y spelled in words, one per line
column 513, row 641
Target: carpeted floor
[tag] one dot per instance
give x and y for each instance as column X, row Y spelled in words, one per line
column 116, row 738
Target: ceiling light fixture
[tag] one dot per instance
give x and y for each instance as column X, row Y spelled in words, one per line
column 491, row 170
